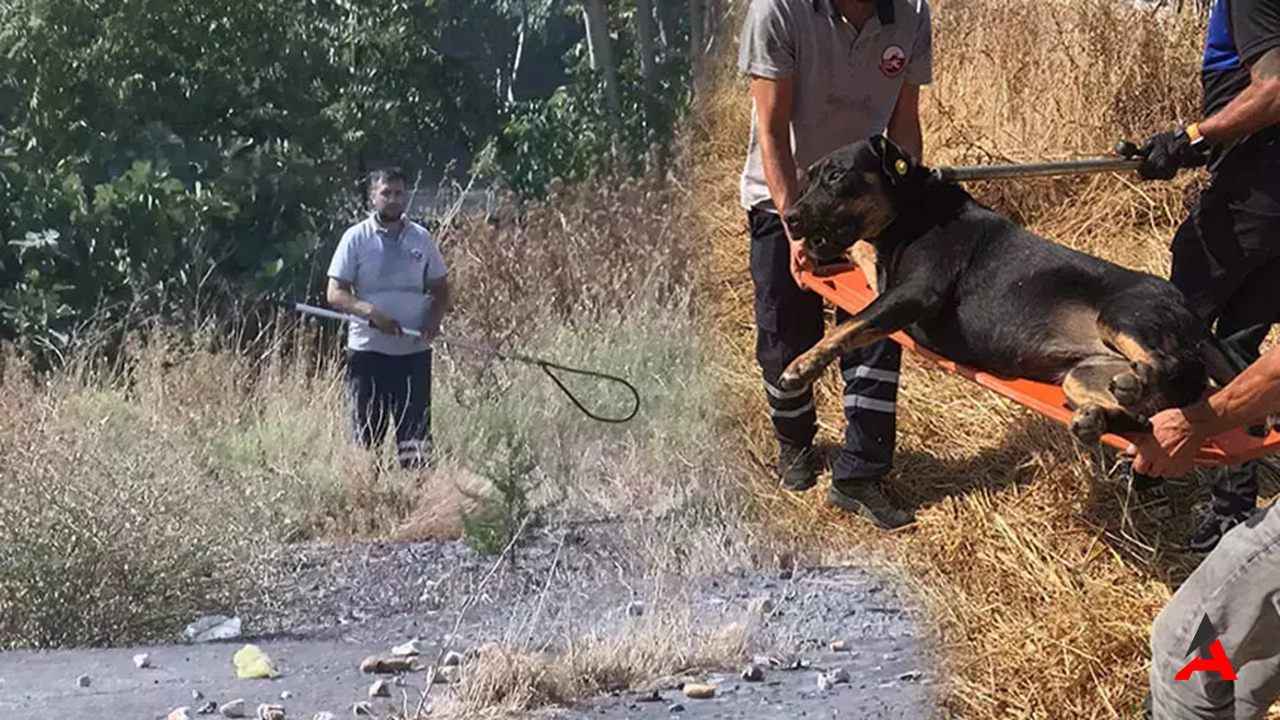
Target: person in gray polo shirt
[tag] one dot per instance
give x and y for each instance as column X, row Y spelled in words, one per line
column 825, row 73
column 387, row 270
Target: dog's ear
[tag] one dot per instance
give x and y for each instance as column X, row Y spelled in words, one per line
column 895, row 163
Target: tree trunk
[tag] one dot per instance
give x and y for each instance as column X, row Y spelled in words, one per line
column 515, row 63
column 596, row 17
column 644, row 32
column 666, row 25
column 695, row 31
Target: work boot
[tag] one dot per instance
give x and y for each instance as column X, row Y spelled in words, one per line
column 796, row 467
column 1209, row 527
column 864, row 497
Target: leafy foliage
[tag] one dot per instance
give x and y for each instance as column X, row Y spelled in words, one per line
column 182, row 161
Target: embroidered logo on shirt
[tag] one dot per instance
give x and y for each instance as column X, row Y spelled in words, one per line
column 893, row 61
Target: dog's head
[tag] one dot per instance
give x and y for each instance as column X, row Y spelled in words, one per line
column 850, row 194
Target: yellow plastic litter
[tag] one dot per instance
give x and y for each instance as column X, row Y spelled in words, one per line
column 251, row 663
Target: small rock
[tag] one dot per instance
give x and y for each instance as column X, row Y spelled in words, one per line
column 141, row 661
column 911, row 676
column 285, row 695
column 208, row 708
column 362, row 709
column 766, row 661
column 182, row 713
column 380, row 688
column 698, row 691
column 451, row 659
column 837, row 646
column 197, row 695
column 211, row 628
column 654, row 696
column 413, row 647
column 761, row 606
column 398, row 681
column 323, row 716
column 676, row 708
column 753, row 673
column 635, row 608
column 830, row 679
column 270, row 712
column 448, row 675
column 83, row 681
column 233, row 709
column 375, row 665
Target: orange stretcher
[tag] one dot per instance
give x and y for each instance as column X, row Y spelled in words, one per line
column 846, row 287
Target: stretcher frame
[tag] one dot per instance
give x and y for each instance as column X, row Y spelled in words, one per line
column 845, row 286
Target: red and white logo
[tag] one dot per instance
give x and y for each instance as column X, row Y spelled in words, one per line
column 893, row 61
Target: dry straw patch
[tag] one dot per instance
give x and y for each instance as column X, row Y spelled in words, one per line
column 1041, row 584
column 657, row 650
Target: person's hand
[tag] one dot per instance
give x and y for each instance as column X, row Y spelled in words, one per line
column 1165, row 153
column 800, row 259
column 385, row 323
column 1170, row 448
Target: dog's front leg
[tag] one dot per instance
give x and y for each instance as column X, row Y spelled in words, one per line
column 898, row 308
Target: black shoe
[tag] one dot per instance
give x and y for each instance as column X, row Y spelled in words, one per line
column 796, row 467
column 864, row 497
column 1210, row 526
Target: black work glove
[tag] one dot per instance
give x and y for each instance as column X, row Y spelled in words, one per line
column 1165, row 153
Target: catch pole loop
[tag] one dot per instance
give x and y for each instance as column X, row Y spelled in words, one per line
column 545, row 365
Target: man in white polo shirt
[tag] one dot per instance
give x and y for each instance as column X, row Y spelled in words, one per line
column 388, row 271
column 825, row 73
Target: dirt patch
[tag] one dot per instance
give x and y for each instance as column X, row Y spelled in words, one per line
column 587, row 635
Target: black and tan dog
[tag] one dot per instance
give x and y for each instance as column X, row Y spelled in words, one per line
column 971, row 285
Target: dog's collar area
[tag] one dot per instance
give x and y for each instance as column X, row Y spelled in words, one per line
column 884, row 10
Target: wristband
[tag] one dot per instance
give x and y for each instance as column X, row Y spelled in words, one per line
column 1193, row 133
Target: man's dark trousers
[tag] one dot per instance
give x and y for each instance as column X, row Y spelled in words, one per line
column 395, row 389
column 789, row 321
column 1226, row 261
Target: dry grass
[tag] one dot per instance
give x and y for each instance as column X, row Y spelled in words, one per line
column 1041, row 583
column 132, row 498
column 658, row 649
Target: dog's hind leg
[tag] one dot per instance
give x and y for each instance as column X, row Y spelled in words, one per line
column 1088, row 387
column 1160, row 339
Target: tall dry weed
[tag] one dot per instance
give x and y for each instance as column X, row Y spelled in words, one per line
column 1042, row 581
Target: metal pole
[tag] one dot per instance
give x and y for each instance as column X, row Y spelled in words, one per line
column 1047, row 169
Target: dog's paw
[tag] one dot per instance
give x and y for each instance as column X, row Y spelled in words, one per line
column 1088, row 424
column 802, row 371
column 1127, row 389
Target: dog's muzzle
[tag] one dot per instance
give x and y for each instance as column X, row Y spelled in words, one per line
column 825, row 250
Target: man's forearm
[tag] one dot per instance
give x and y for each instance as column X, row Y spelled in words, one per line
column 346, row 301
column 1253, row 395
column 441, row 301
column 779, row 170
column 1255, row 108
column 907, row 135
